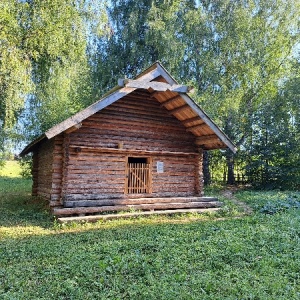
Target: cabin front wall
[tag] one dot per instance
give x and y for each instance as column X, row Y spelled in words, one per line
column 96, row 175
column 96, row 155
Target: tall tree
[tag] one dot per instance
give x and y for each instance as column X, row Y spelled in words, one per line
column 234, row 52
column 243, row 51
column 140, row 33
column 44, row 64
column 272, row 153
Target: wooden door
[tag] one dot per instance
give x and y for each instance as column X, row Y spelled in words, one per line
column 138, row 177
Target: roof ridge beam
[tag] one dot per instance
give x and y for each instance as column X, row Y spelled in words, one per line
column 155, row 85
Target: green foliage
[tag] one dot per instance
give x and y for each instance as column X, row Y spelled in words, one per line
column 26, row 166
column 272, row 150
column 44, row 64
column 275, row 207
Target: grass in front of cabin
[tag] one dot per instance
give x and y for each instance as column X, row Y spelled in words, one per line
column 180, row 257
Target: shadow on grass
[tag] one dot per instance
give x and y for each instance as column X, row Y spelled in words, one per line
column 18, row 207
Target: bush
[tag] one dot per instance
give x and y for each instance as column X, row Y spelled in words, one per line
column 275, row 207
column 26, row 166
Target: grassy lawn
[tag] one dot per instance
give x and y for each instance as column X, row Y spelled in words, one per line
column 179, row 257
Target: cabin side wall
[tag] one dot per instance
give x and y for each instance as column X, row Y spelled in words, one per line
column 98, row 152
column 57, row 171
column 42, row 170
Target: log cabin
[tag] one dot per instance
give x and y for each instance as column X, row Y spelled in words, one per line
column 138, row 148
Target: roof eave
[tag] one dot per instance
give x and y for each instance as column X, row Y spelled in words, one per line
column 30, row 146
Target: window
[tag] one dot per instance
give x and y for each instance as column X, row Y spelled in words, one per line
column 138, row 175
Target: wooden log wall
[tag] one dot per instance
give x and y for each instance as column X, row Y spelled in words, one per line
column 35, row 173
column 177, row 178
column 199, row 180
column 136, row 122
column 95, row 176
column 57, row 168
column 42, row 170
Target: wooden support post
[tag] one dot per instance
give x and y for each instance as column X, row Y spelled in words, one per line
column 199, row 173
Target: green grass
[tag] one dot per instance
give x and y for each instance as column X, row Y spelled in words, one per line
column 180, row 257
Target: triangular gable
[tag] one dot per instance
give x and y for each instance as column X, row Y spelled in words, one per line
column 146, row 80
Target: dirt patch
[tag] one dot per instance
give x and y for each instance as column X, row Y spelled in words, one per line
column 229, row 194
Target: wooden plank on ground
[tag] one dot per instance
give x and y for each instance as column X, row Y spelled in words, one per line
column 96, row 218
column 156, row 206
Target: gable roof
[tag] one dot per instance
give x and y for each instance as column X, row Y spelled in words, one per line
column 165, row 89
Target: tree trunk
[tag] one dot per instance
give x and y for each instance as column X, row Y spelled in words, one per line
column 230, row 167
column 206, row 171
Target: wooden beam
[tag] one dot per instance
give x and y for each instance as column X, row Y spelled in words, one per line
column 190, row 120
column 207, row 139
column 132, row 151
column 153, row 94
column 198, row 126
column 130, row 201
column 179, row 109
column 155, row 85
column 171, row 100
column 73, row 128
column 158, row 206
column 95, row 218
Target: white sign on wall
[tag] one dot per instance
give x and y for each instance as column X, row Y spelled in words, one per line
column 160, row 167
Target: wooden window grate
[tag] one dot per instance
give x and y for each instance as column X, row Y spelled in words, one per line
column 138, row 178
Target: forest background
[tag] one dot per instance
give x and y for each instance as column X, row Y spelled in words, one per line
column 241, row 57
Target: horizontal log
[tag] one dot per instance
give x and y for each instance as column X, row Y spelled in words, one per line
column 156, row 206
column 54, row 203
column 128, row 145
column 132, row 151
column 207, row 138
column 144, row 126
column 134, row 214
column 101, row 190
column 82, row 196
column 133, row 109
column 110, row 202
